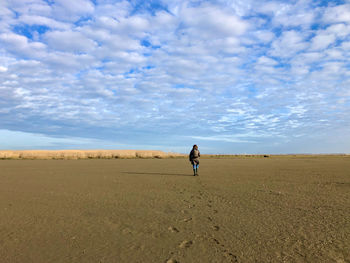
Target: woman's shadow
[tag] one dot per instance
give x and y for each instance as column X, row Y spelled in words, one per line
column 174, row 174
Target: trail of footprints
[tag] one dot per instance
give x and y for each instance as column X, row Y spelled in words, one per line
column 230, row 256
column 203, row 195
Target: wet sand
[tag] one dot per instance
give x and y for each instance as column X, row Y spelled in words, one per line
column 286, row 209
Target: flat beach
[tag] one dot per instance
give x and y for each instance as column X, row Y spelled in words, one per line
column 277, row 209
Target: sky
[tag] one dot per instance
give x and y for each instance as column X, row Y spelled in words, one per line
column 234, row 77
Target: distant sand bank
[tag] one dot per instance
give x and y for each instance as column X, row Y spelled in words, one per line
column 85, row 154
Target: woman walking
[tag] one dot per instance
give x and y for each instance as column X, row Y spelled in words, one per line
column 194, row 159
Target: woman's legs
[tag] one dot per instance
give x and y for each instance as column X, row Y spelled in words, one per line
column 195, row 165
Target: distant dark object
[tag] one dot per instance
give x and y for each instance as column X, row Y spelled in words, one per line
column 266, row 156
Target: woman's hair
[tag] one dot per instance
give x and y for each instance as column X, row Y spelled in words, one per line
column 195, row 146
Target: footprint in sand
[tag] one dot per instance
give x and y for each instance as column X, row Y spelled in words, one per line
column 216, row 228
column 185, row 244
column 126, row 231
column 172, row 261
column 216, row 241
column 173, row 229
column 231, row 256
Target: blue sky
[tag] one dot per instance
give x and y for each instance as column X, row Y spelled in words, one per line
column 231, row 76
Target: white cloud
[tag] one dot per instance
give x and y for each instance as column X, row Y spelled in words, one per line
column 20, row 45
column 134, row 25
column 69, row 41
column 322, row 41
column 337, row 14
column 310, row 57
column 266, row 65
column 346, row 45
column 292, row 18
column 264, row 36
column 5, row 12
column 335, row 54
column 267, row 61
column 67, row 10
column 30, row 7
column 223, row 138
column 288, row 44
column 43, row 21
column 333, row 68
column 209, row 21
column 271, row 8
column 113, row 9
column 7, row 16
column 69, row 63
column 299, row 110
column 339, row 30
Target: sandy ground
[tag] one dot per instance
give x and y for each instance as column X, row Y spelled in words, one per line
column 153, row 210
